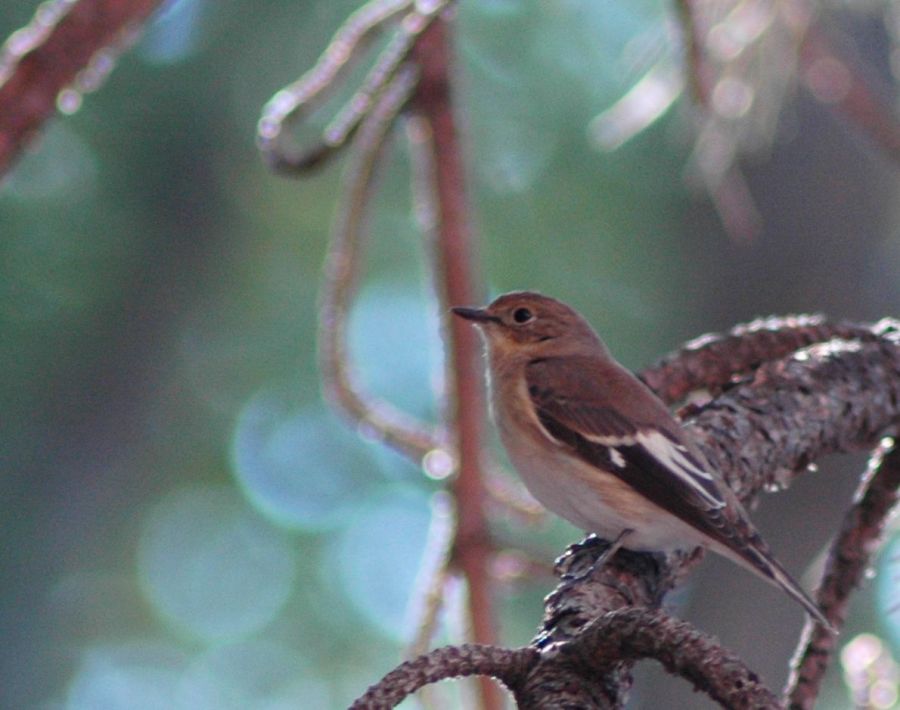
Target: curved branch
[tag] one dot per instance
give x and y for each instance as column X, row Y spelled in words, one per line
column 395, row 428
column 635, row 634
column 848, row 559
column 294, row 100
column 831, row 397
column 345, row 47
column 509, row 666
column 349, row 117
column 46, row 56
column 537, row 679
column 714, row 360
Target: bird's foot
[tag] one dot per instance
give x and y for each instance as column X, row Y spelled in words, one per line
column 576, row 568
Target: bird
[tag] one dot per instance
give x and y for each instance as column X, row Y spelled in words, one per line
column 594, row 445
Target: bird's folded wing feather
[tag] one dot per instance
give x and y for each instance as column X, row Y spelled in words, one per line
column 594, row 410
column 642, row 447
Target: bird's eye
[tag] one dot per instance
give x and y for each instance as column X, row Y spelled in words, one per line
column 522, row 315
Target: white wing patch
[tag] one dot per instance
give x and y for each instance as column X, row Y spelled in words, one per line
column 673, row 457
column 610, row 441
column 616, row 457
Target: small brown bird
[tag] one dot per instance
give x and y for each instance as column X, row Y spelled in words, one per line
column 594, row 445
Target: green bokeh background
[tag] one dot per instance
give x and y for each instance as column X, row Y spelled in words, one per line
column 184, row 523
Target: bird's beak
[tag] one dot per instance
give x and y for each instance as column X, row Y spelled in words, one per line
column 477, row 315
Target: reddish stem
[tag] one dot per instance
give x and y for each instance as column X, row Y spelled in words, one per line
column 455, row 247
column 695, row 64
column 28, row 95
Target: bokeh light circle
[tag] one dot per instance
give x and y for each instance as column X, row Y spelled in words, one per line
column 250, row 674
column 301, row 468
column 378, row 557
column 142, row 675
column 395, row 344
column 211, row 567
column 886, row 591
column 176, row 32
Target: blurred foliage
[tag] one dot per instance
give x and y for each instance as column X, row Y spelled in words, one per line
column 184, row 523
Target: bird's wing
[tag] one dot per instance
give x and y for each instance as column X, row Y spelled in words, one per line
column 598, row 414
column 642, row 447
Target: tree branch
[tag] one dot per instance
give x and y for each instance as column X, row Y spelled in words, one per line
column 830, row 397
column 566, row 675
column 634, row 634
column 714, row 360
column 848, row 559
column 296, row 100
column 834, row 396
column 507, row 666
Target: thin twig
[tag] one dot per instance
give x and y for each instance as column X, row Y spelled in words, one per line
column 295, row 100
column 395, row 428
column 455, row 261
column 848, row 559
column 692, row 40
column 433, row 574
column 834, row 80
column 46, row 56
column 347, row 45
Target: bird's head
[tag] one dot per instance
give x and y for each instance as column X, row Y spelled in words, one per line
column 531, row 325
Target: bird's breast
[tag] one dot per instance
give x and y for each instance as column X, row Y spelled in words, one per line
column 587, row 497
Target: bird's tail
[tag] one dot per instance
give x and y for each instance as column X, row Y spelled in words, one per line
column 756, row 556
